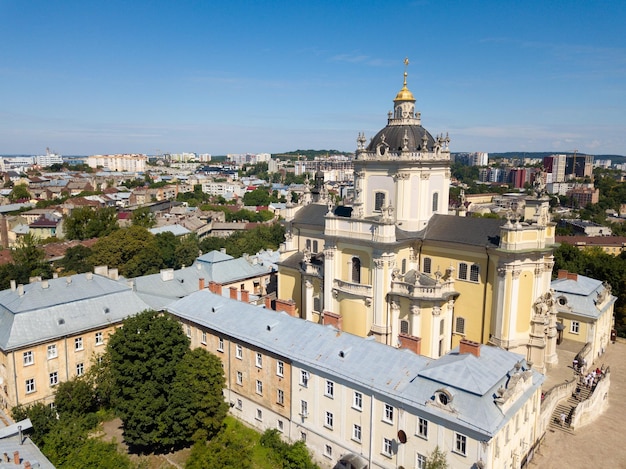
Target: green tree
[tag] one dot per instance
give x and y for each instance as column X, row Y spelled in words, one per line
column 145, row 355
column 76, row 260
column 259, row 196
column 437, row 459
column 197, row 395
column 29, row 260
column 41, row 415
column 86, row 223
column 143, row 217
column 133, row 250
column 74, row 398
column 19, row 192
column 97, row 454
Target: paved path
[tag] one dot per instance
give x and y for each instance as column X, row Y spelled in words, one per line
column 600, row 444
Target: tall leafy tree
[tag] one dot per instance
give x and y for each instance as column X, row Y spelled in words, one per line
column 164, row 393
column 19, row 192
column 134, row 251
column 86, row 223
column 143, row 217
column 76, row 260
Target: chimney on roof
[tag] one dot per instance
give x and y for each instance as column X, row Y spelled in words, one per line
column 200, row 284
column 469, row 346
column 13, row 285
column 245, row 296
column 114, row 274
column 101, row 270
column 16, row 458
column 44, row 284
column 233, row 293
column 223, row 250
column 572, row 276
column 55, row 275
column 20, row 290
column 89, row 275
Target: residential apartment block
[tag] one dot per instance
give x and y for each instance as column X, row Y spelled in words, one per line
column 354, row 399
column 51, row 330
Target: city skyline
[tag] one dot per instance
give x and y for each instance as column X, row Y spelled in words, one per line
column 143, row 77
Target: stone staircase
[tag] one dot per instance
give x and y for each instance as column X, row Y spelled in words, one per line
column 567, row 406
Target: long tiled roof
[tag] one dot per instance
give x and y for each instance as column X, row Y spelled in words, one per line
column 397, row 375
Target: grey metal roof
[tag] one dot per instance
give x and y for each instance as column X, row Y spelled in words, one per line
column 66, row 306
column 581, row 295
column 398, row 375
column 28, row 451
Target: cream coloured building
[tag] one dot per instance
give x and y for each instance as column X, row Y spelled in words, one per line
column 394, row 265
column 355, row 400
column 51, row 330
column 119, row 162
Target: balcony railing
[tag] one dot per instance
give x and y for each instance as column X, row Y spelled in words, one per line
column 357, row 289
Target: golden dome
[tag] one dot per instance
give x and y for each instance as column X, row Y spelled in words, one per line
column 404, row 94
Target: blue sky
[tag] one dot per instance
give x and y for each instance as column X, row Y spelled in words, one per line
column 86, row 77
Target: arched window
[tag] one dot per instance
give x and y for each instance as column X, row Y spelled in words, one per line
column 379, row 200
column 308, row 244
column 404, row 327
column 404, row 266
column 356, row 270
column 474, row 272
column 427, row 265
column 435, row 201
column 315, row 246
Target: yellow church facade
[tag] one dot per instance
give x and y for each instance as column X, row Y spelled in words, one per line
column 395, row 266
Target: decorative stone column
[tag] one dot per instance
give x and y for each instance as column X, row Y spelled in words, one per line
column 330, row 273
column 308, row 300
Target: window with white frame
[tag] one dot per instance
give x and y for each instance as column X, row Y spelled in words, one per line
column 459, row 325
column 99, row 338
column 239, row 404
column 420, row 461
column 259, row 360
column 280, row 368
column 30, row 385
column 422, row 427
column 304, row 408
column 403, row 264
column 238, row 351
column 259, row 387
column 328, row 422
column 52, row 351
column 220, row 344
column 29, row 358
column 303, row 436
column 203, row 338
column 575, row 327
column 304, row 378
column 280, row 425
column 315, row 246
column 239, row 378
column 78, row 343
column 330, row 389
column 404, row 327
column 356, row 432
column 54, row 378
column 435, row 206
column 188, row 330
column 328, row 451
column 80, row 369
column 387, row 447
column 427, row 265
column 280, row 397
column 259, row 414
column 388, row 415
column 460, row 444
column 357, row 402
